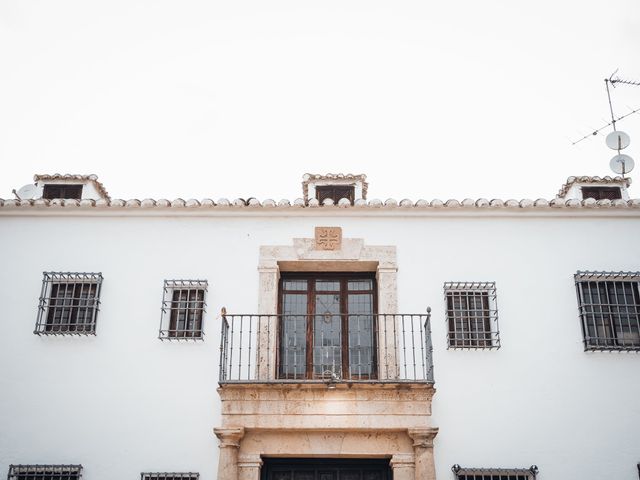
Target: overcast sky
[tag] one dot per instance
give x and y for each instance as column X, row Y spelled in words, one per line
column 197, row 99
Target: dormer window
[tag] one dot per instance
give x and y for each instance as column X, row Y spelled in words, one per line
column 63, row 190
column 335, row 186
column 335, row 192
column 602, row 193
column 597, row 188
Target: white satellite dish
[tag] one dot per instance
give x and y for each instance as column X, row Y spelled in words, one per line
column 617, row 140
column 621, row 164
column 27, row 192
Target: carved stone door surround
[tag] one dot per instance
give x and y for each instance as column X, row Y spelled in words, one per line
column 307, row 420
column 352, row 256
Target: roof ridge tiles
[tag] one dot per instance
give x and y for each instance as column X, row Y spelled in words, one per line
column 389, row 204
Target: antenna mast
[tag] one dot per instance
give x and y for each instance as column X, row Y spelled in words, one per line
column 612, row 81
column 621, row 163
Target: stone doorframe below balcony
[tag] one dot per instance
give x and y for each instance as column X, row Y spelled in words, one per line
column 352, row 256
column 242, row 450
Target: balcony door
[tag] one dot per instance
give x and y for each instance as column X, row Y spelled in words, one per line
column 327, row 326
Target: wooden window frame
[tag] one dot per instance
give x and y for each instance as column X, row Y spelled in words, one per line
column 57, row 302
column 343, row 278
column 197, row 312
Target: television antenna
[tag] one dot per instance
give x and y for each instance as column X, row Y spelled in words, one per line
column 613, row 80
column 621, row 163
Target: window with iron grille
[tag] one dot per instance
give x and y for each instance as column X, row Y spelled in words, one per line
column 609, row 306
column 472, row 315
column 463, row 473
column 602, row 193
column 44, row 472
column 69, row 303
column 183, row 307
column 335, row 193
column 169, row 476
column 62, row 191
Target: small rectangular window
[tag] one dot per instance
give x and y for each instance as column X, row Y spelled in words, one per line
column 472, row 315
column 69, row 303
column 45, row 472
column 462, row 473
column 62, row 191
column 169, row 476
column 335, row 193
column 609, row 306
column 183, row 307
column 602, row 193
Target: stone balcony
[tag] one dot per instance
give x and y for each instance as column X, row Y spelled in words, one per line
column 376, row 408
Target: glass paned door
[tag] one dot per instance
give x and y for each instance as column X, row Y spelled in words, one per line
column 327, row 329
column 327, row 326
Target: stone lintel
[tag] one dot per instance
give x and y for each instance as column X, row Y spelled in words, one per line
column 305, row 443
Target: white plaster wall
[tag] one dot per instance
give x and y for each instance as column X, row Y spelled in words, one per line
column 125, row 402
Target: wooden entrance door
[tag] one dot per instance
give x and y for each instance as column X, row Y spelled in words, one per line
column 325, row 469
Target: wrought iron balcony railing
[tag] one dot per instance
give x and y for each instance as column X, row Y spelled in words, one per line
column 327, row 348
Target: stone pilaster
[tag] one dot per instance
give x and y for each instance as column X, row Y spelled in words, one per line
column 269, row 275
column 249, row 467
column 403, row 467
column 387, row 337
column 229, row 445
column 423, row 452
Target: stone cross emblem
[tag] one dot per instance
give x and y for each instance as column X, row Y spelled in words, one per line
column 328, row 238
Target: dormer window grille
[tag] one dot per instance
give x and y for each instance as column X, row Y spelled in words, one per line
column 602, row 193
column 335, row 193
column 62, row 191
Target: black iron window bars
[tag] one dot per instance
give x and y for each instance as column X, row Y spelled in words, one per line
column 183, row 308
column 69, row 303
column 169, row 476
column 472, row 315
column 609, row 307
column 463, row 473
column 44, row 472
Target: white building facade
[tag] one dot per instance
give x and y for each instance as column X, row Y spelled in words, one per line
column 329, row 337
